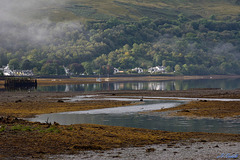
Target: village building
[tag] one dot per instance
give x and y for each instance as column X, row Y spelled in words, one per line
column 157, row 69
column 22, row 73
column 8, row 72
column 138, row 70
column 115, row 71
column 67, row 71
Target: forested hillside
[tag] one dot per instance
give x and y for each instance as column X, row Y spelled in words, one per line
column 188, row 37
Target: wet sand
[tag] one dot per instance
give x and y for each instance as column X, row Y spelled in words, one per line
column 171, row 151
column 35, row 140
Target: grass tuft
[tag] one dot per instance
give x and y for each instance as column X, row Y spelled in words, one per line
column 21, row 128
column 52, row 129
column 2, row 128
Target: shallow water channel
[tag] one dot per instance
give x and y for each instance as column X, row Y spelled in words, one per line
column 138, row 116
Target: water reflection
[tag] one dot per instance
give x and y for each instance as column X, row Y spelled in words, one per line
column 160, row 85
column 132, row 116
column 154, row 121
column 25, row 88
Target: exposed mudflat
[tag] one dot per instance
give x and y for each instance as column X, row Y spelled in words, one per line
column 20, row 139
column 206, row 109
column 28, row 104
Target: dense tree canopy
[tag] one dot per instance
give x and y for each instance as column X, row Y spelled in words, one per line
column 202, row 46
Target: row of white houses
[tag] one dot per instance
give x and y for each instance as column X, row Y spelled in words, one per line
column 157, row 69
column 8, row 72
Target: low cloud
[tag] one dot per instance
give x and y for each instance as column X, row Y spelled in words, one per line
column 17, row 22
column 21, row 11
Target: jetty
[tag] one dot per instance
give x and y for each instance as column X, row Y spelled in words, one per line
column 20, row 82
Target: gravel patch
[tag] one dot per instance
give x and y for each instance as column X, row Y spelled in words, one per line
column 172, row 151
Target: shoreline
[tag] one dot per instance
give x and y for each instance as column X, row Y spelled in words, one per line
column 125, row 79
column 84, row 80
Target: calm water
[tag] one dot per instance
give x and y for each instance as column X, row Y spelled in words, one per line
column 126, row 117
column 130, row 117
column 225, row 84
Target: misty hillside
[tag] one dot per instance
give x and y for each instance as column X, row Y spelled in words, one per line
column 130, row 10
column 187, row 37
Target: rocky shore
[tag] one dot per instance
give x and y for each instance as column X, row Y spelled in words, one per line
column 172, row 151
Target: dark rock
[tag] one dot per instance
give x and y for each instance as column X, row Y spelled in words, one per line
column 216, row 146
column 185, row 110
column 202, row 140
column 55, row 123
column 87, row 147
column 17, row 101
column 170, row 145
column 150, row 149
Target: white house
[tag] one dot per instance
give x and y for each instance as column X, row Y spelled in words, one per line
column 115, row 71
column 67, row 71
column 7, row 71
column 138, row 70
column 157, row 69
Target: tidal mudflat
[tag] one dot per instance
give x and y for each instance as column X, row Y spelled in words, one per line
column 23, row 139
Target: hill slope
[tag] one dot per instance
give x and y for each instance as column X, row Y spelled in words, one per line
column 135, row 9
column 186, row 36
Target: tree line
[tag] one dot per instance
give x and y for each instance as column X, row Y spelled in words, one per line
column 184, row 46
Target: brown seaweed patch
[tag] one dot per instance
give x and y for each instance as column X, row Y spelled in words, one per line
column 211, row 109
column 20, row 138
